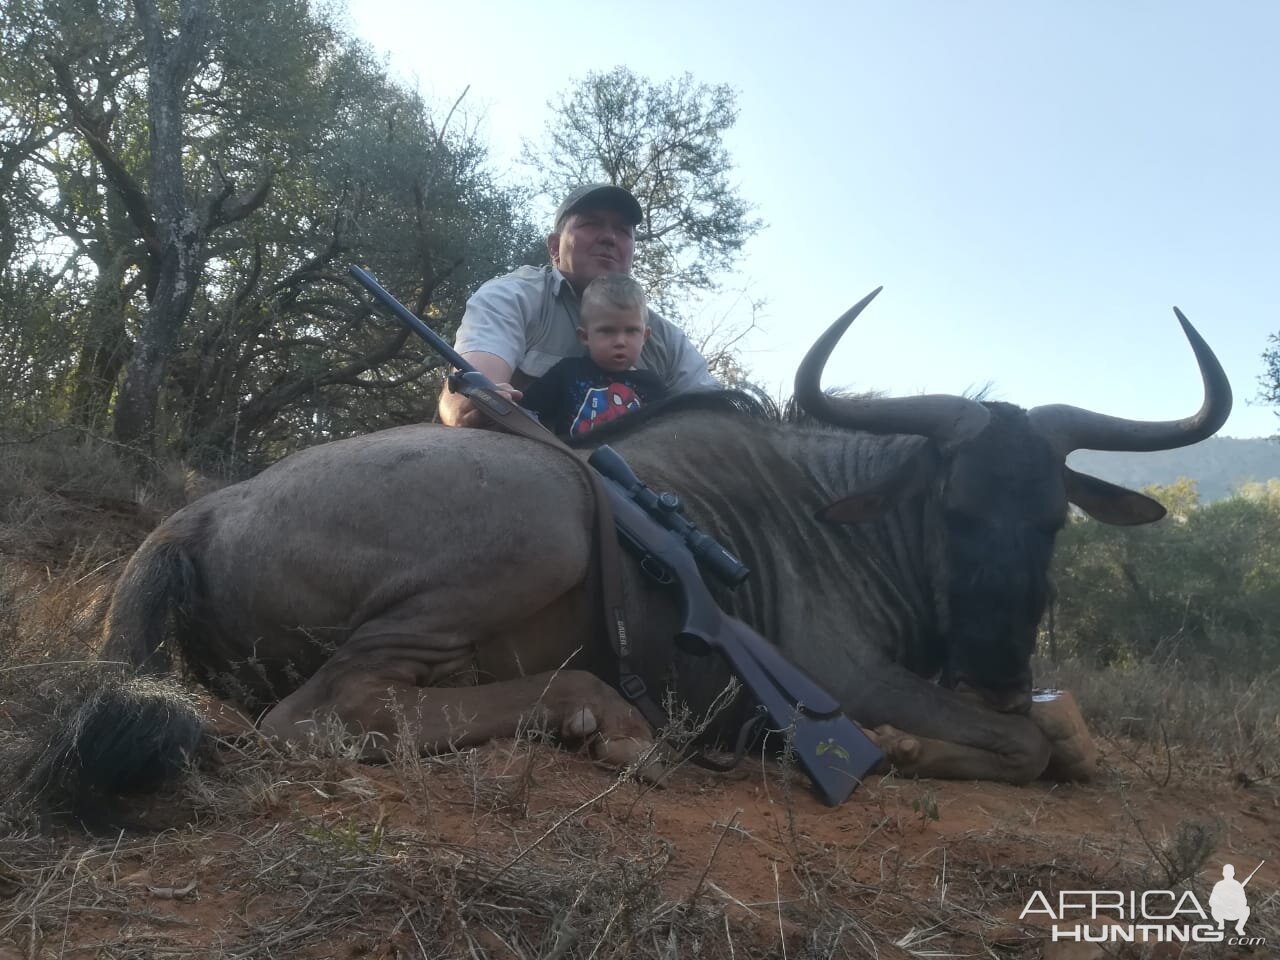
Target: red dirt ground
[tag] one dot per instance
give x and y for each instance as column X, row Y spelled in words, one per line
column 931, row 868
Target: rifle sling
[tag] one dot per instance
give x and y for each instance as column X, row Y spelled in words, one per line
column 630, row 684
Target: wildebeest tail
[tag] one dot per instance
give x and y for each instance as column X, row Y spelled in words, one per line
column 124, row 735
column 117, row 732
column 156, row 597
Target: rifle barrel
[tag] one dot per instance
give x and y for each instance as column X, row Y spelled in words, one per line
column 411, row 321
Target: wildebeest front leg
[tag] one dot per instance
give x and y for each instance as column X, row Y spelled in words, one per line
column 917, row 756
column 385, row 691
column 928, row 731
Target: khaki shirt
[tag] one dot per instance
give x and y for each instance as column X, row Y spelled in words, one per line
column 530, row 318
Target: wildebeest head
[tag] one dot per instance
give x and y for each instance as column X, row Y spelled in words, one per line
column 995, row 487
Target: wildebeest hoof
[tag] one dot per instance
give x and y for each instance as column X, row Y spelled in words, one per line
column 621, row 752
column 579, row 724
column 615, row 732
column 900, row 749
column 1073, row 755
column 586, row 706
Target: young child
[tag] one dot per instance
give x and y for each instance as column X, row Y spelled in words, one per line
column 581, row 393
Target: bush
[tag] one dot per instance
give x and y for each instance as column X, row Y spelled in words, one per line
column 1201, row 587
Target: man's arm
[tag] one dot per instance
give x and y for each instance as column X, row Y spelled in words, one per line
column 491, row 337
column 457, row 411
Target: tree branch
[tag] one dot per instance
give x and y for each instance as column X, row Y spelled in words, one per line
column 269, row 404
column 136, row 203
column 228, row 208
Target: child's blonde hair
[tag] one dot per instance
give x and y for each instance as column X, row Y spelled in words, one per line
column 617, row 290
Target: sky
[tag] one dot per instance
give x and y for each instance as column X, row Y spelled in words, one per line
column 1035, row 184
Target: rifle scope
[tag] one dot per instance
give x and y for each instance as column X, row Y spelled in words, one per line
column 667, row 509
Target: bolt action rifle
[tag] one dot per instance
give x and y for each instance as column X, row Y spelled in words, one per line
column 831, row 749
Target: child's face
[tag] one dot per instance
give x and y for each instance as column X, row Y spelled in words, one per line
column 614, row 335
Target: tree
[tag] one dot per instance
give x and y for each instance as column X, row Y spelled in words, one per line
column 133, row 186
column 1269, row 381
column 34, row 346
column 296, row 356
column 665, row 143
column 206, row 300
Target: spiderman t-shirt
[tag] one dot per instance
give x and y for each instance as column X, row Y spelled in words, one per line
column 576, row 395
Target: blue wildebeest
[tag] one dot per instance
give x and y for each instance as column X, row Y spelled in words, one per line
column 431, row 582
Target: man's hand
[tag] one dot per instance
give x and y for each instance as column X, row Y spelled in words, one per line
column 467, row 414
column 457, row 411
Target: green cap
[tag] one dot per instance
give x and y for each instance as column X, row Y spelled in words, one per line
column 599, row 196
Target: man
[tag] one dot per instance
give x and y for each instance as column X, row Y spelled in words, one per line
column 518, row 326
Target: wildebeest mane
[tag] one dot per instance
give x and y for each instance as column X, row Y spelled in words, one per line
column 739, row 403
column 733, row 402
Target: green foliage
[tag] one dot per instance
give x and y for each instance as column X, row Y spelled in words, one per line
column 665, row 143
column 347, row 837
column 926, row 806
column 1201, row 586
column 188, row 285
column 830, row 745
column 34, row 351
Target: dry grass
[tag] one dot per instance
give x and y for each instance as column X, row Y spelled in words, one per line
column 321, row 857
column 68, row 496
column 1172, row 721
column 308, row 883
column 324, row 857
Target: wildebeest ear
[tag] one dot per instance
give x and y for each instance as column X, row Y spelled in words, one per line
column 1109, row 503
column 902, row 482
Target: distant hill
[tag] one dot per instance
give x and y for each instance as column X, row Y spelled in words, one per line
column 1218, row 465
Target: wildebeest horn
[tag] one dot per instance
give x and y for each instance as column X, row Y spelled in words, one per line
column 1070, row 428
column 940, row 417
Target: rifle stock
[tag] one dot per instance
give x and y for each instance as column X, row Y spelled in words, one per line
column 830, row 748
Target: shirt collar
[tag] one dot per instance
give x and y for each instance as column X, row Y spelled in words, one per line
column 560, row 284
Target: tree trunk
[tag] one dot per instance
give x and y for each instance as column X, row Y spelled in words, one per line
column 180, row 229
column 180, row 267
column 105, row 347
column 101, row 358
